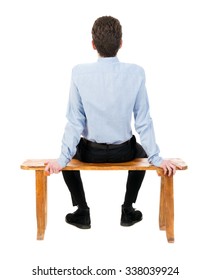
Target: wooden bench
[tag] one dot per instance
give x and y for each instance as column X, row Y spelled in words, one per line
column 166, row 208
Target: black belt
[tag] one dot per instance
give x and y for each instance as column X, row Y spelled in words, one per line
column 105, row 146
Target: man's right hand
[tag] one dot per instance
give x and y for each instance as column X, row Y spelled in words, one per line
column 169, row 167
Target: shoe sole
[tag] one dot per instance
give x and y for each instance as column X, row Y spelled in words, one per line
column 79, row 225
column 130, row 224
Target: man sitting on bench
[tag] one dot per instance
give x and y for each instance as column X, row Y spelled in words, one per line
column 103, row 97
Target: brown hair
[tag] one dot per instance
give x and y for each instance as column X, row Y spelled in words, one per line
column 107, row 35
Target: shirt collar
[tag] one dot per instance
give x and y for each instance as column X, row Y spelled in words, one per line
column 112, row 59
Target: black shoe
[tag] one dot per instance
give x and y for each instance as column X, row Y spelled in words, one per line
column 130, row 216
column 80, row 218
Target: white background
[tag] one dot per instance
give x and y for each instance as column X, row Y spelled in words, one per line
column 40, row 43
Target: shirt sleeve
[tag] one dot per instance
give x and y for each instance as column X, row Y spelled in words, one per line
column 76, row 120
column 144, row 125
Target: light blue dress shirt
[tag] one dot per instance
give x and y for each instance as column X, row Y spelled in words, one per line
column 103, row 97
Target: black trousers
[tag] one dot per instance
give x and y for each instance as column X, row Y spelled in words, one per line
column 101, row 153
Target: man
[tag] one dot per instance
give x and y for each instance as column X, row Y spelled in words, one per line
column 103, row 97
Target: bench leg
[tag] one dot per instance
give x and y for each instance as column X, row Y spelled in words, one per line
column 169, row 201
column 162, row 217
column 166, row 213
column 41, row 203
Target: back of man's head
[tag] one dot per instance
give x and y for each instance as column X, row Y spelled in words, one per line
column 107, row 36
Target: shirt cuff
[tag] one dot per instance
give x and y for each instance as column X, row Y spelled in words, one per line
column 156, row 161
column 62, row 161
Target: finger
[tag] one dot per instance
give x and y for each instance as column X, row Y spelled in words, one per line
column 47, row 173
column 165, row 170
column 168, row 171
column 58, row 170
column 47, row 168
column 177, row 166
column 51, row 170
column 172, row 169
